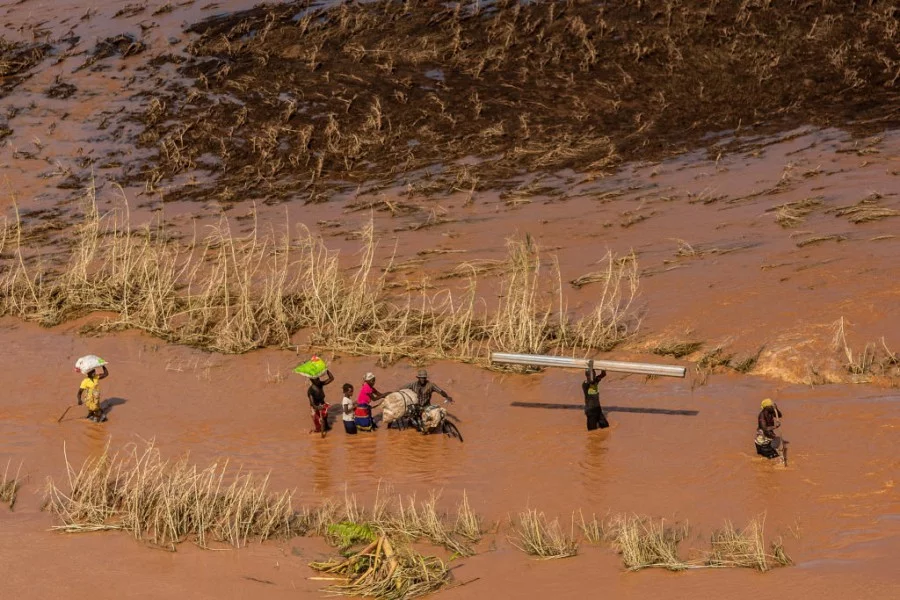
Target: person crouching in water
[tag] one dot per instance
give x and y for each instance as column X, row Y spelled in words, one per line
column 348, row 406
column 89, row 394
column 767, row 441
column 317, row 405
column 592, row 409
column 367, row 395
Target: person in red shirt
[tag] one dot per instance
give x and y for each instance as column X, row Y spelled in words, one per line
column 367, row 395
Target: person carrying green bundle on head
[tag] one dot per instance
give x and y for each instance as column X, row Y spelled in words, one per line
column 319, row 376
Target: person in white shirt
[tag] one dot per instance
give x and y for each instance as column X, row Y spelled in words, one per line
column 349, row 407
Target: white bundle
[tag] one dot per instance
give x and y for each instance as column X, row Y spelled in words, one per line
column 396, row 404
column 86, row 363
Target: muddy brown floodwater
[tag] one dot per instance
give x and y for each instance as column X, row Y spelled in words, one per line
column 754, row 245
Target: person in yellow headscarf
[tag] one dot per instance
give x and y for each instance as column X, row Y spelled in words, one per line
column 767, row 422
column 89, row 394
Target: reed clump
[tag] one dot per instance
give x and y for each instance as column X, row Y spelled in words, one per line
column 385, row 571
column 9, row 486
column 232, row 293
column 874, row 360
column 746, row 548
column 533, row 534
column 645, row 542
column 166, row 503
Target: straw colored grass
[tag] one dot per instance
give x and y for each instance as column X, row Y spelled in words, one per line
column 385, row 571
column 165, row 503
column 745, row 548
column 533, row 534
column 232, row 292
column 645, row 543
column 9, row 486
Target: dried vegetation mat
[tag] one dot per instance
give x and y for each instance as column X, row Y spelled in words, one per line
column 232, row 292
column 300, row 98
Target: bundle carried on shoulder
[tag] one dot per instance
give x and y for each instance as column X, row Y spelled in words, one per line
column 314, row 367
column 86, row 364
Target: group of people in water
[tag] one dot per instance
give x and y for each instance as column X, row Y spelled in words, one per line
column 356, row 414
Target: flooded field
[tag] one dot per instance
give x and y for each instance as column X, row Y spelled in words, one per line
column 758, row 252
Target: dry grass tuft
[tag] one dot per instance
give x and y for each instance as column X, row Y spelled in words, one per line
column 745, row 548
column 596, row 530
column 9, row 486
column 534, row 535
column 874, row 359
column 644, row 543
column 166, row 503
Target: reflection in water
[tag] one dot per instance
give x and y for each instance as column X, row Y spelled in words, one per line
column 594, row 475
column 322, row 466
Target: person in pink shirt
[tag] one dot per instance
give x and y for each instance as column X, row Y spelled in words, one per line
column 367, row 395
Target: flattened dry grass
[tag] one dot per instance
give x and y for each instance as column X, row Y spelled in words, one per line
column 382, row 570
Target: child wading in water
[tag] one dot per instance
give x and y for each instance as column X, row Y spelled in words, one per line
column 89, row 394
column 348, row 407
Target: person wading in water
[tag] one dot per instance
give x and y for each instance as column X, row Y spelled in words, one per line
column 89, row 394
column 424, row 389
column 318, row 407
column 767, row 441
column 595, row 417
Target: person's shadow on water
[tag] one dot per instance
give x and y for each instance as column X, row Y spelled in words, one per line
column 110, row 403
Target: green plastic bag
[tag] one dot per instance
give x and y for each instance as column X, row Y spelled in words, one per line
column 312, row 368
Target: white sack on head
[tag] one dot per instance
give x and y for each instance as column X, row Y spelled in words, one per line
column 86, row 363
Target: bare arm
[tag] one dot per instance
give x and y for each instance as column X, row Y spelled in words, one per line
column 441, row 392
column 78, row 397
column 330, row 378
column 104, row 374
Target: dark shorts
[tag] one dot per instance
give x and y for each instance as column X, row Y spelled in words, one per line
column 350, row 427
column 595, row 418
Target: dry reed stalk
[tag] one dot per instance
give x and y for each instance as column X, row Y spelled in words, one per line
column 733, row 548
column 166, row 503
column 595, row 531
column 9, row 486
column 612, row 319
column 645, row 543
column 534, row 535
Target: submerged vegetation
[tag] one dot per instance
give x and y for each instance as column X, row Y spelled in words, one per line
column 168, row 502
column 233, row 292
column 295, row 98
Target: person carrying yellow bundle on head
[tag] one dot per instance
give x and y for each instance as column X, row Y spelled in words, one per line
column 94, row 369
